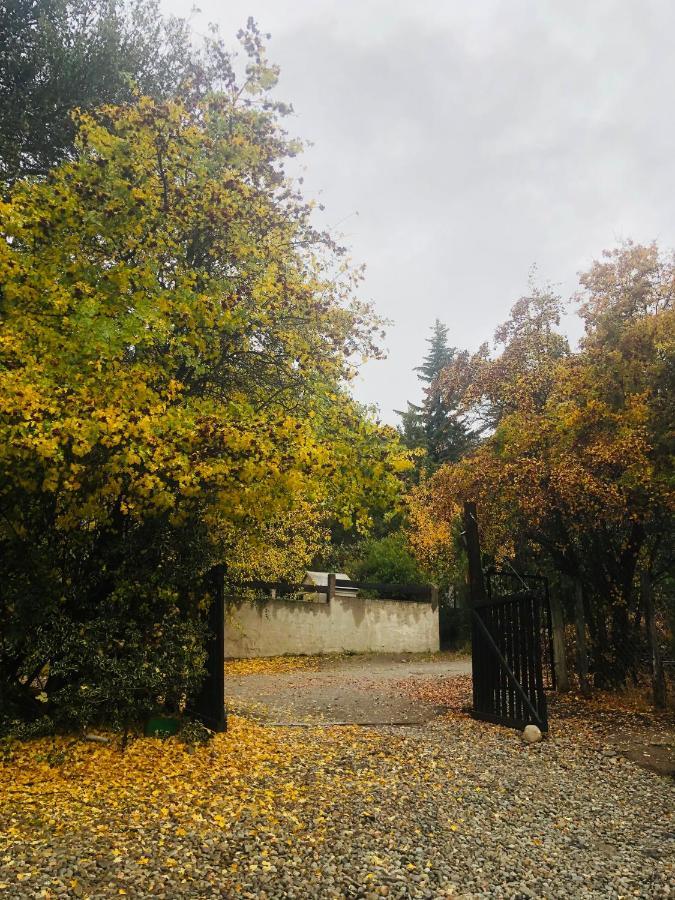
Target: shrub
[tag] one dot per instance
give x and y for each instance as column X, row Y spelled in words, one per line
column 387, row 560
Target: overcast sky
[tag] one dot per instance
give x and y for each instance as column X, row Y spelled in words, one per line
column 474, row 138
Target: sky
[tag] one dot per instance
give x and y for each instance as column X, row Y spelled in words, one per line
column 456, row 144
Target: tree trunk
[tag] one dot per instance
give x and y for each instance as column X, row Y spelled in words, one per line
column 603, row 657
column 623, row 645
column 658, row 674
column 582, row 649
column 562, row 680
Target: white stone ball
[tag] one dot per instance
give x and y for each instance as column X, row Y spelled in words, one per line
column 531, row 734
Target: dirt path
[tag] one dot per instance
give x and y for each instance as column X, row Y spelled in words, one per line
column 355, row 690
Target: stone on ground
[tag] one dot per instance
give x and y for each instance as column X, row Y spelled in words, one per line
column 531, row 734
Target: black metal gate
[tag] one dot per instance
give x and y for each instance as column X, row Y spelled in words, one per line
column 510, row 640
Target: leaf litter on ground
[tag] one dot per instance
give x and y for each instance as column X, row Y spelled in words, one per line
column 337, row 812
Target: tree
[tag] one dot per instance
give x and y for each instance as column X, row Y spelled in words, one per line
column 520, row 375
column 437, row 425
column 57, row 56
column 577, row 472
column 173, row 369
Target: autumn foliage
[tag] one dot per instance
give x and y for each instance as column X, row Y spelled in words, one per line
column 175, row 342
column 575, row 475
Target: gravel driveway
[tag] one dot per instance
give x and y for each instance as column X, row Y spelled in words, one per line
column 363, row 689
column 449, row 807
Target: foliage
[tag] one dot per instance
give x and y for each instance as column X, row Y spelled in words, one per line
column 435, row 537
column 193, row 733
column 386, row 560
column 119, row 662
column 438, row 426
column 417, row 422
column 520, row 375
column 62, row 55
column 577, row 470
column 176, row 339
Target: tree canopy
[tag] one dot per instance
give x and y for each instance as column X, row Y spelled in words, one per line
column 437, row 426
column 576, row 469
column 176, row 343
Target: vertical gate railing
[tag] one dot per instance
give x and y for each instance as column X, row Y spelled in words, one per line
column 511, row 646
column 502, row 584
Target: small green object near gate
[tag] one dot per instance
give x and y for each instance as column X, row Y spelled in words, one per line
column 161, row 727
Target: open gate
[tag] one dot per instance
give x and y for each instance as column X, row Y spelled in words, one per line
column 510, row 641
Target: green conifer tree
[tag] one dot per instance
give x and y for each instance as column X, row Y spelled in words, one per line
column 436, row 425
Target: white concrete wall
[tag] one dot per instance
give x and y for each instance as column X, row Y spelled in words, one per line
column 274, row 627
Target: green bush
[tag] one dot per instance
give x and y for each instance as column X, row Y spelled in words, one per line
column 112, row 670
column 101, row 631
column 387, row 560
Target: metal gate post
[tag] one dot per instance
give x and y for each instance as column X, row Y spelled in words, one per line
column 210, row 706
column 476, row 596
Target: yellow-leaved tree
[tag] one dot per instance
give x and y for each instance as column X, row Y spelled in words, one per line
column 175, row 343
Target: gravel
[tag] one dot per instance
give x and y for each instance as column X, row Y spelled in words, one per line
column 456, row 808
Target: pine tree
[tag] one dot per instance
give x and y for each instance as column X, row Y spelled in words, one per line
column 436, row 425
column 439, row 355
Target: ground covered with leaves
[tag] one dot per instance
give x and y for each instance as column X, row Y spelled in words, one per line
column 365, row 688
column 267, row 665
column 450, row 808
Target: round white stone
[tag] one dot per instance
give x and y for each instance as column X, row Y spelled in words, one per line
column 531, row 734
